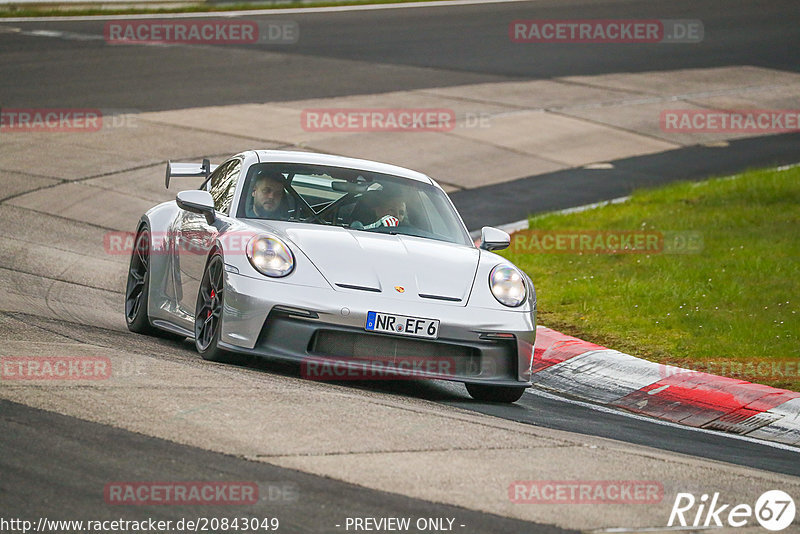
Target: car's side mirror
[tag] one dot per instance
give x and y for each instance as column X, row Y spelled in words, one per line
column 494, row 239
column 199, row 202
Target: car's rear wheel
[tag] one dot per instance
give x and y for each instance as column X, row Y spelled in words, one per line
column 137, row 288
column 208, row 314
column 495, row 393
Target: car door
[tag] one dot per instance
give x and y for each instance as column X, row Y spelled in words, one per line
column 196, row 237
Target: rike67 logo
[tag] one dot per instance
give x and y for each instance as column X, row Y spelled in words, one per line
column 774, row 510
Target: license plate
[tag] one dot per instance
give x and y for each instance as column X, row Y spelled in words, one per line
column 400, row 324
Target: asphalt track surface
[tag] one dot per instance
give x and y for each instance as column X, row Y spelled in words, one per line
column 378, row 51
column 89, row 455
column 544, row 410
column 363, row 52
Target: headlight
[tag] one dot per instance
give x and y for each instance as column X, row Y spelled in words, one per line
column 507, row 285
column 270, row 256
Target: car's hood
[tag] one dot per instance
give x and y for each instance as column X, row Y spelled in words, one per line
column 353, row 259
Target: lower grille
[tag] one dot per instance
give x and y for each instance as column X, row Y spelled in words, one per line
column 350, row 344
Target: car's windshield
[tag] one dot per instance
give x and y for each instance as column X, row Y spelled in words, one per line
column 351, row 198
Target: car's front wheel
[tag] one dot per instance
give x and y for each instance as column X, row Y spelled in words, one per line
column 208, row 312
column 495, row 393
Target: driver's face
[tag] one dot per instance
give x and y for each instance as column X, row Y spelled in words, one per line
column 267, row 195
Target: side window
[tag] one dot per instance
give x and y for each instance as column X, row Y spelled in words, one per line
column 216, row 176
column 223, row 185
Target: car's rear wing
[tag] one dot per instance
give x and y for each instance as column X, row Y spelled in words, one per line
column 203, row 170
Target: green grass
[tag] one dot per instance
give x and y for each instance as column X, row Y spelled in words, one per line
column 25, row 10
column 735, row 302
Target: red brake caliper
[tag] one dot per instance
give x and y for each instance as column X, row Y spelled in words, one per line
column 212, row 296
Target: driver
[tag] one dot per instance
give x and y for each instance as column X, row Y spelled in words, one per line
column 268, row 196
column 390, row 210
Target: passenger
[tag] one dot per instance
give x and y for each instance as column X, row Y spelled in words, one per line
column 390, row 210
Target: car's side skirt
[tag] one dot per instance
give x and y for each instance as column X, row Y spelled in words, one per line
column 169, row 327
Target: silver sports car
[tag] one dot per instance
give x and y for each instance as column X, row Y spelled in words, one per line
column 356, row 269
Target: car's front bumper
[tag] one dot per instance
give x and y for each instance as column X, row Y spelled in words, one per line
column 270, row 318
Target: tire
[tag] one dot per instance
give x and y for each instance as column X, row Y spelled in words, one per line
column 506, row 394
column 138, row 286
column 208, row 312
